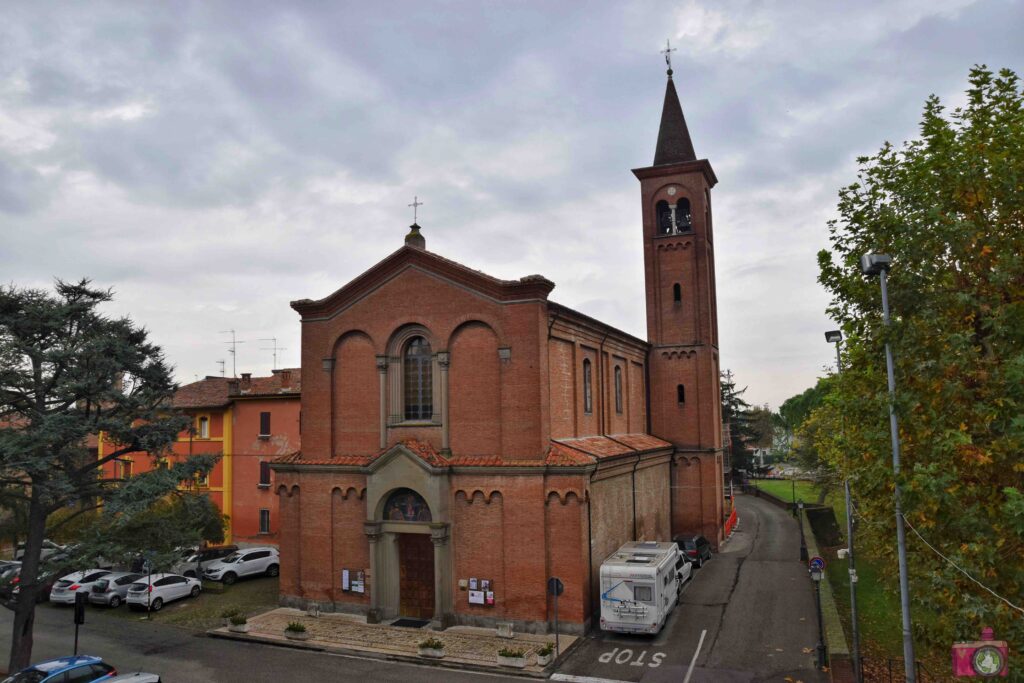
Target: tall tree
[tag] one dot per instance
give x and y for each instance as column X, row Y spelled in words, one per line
column 68, row 372
column 949, row 208
column 736, row 414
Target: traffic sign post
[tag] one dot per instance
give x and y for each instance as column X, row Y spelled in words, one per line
column 556, row 588
column 80, row 598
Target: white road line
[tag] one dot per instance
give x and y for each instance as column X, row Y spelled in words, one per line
column 583, row 679
column 700, row 643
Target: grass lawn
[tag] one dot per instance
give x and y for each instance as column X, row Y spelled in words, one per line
column 248, row 596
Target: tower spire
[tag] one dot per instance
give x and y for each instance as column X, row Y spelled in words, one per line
column 674, row 145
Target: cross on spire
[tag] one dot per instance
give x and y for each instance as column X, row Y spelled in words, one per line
column 668, row 56
column 416, row 204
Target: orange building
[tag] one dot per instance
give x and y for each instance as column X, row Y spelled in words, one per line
column 249, row 421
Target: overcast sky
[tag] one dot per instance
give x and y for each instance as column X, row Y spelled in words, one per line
column 213, row 161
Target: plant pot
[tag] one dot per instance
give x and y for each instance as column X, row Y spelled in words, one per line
column 432, row 653
column 513, row 662
column 239, row 628
column 544, row 660
column 296, row 635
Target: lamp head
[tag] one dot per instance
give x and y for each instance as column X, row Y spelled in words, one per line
column 833, row 336
column 873, row 264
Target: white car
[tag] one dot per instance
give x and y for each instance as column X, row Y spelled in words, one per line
column 64, row 589
column 246, row 562
column 157, row 590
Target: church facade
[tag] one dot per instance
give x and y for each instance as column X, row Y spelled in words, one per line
column 466, row 438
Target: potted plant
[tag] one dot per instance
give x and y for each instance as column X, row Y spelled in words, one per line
column 226, row 615
column 545, row 653
column 239, row 624
column 515, row 658
column 296, row 631
column 432, row 648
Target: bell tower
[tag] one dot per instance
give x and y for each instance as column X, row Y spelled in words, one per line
column 682, row 323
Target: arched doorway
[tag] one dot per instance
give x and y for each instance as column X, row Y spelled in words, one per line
column 415, row 553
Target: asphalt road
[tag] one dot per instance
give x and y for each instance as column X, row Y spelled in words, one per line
column 748, row 614
column 181, row 656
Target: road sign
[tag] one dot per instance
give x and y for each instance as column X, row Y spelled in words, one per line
column 817, row 563
column 555, row 586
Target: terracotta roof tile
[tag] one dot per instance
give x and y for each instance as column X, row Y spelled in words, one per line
column 641, row 442
column 210, row 392
column 283, row 381
column 614, row 445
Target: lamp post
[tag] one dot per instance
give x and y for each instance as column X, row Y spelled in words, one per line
column 836, row 337
column 879, row 264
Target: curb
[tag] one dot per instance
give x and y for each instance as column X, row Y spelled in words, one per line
column 385, row 656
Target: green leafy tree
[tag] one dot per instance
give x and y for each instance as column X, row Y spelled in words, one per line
column 802, row 420
column 68, row 372
column 949, row 208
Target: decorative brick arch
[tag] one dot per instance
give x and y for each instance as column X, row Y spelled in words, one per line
column 470, row 496
column 345, row 336
column 458, row 324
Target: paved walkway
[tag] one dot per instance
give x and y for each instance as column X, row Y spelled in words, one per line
column 464, row 645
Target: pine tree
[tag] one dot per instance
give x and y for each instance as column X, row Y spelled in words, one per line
column 67, row 372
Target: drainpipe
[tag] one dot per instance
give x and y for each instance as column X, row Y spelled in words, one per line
column 590, row 556
column 635, row 465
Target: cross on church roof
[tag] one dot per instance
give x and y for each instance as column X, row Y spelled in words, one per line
column 416, row 204
column 668, row 56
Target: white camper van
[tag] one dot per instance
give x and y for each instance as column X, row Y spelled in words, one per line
column 639, row 586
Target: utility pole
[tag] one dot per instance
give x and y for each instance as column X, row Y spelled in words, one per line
column 879, row 264
column 837, row 337
column 233, row 351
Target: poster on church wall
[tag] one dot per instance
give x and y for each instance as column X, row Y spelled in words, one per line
column 473, row 585
column 476, row 597
column 345, row 584
column 353, row 581
column 489, row 599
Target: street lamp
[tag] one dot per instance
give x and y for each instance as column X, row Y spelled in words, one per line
column 879, row 264
column 836, row 337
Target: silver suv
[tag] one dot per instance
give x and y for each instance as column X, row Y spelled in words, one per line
column 245, row 562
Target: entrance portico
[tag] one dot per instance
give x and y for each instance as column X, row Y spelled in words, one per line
column 408, row 533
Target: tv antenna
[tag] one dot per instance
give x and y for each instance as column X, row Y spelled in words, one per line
column 233, row 351
column 221, row 364
column 275, row 348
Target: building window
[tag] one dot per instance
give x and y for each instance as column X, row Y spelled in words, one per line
column 203, row 479
column 664, row 214
column 264, row 424
column 618, row 389
column 204, row 427
column 264, row 474
column 163, row 464
column 680, row 394
column 126, row 468
column 264, row 521
column 417, row 387
column 588, row 394
column 677, row 293
column 405, row 505
column 684, row 222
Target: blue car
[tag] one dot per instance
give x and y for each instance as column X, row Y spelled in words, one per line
column 80, row 669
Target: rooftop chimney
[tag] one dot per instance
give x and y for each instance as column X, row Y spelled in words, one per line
column 286, row 379
column 246, row 381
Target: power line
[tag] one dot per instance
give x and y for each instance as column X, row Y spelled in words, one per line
column 958, row 567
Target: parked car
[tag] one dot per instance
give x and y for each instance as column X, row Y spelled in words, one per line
column 684, row 569
column 247, row 562
column 10, row 582
column 159, row 589
column 196, row 561
column 137, row 677
column 112, row 589
column 49, row 548
column 695, row 547
column 78, row 669
column 65, row 588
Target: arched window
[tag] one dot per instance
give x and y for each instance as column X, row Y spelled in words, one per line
column 618, row 389
column 664, row 215
column 677, row 293
column 588, row 394
column 680, row 394
column 405, row 505
column 416, row 366
column 684, row 222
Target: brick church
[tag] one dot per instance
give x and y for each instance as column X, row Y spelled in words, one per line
column 465, row 438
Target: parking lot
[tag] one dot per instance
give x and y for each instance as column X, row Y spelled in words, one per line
column 748, row 615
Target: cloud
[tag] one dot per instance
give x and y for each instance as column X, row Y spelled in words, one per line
column 213, row 161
